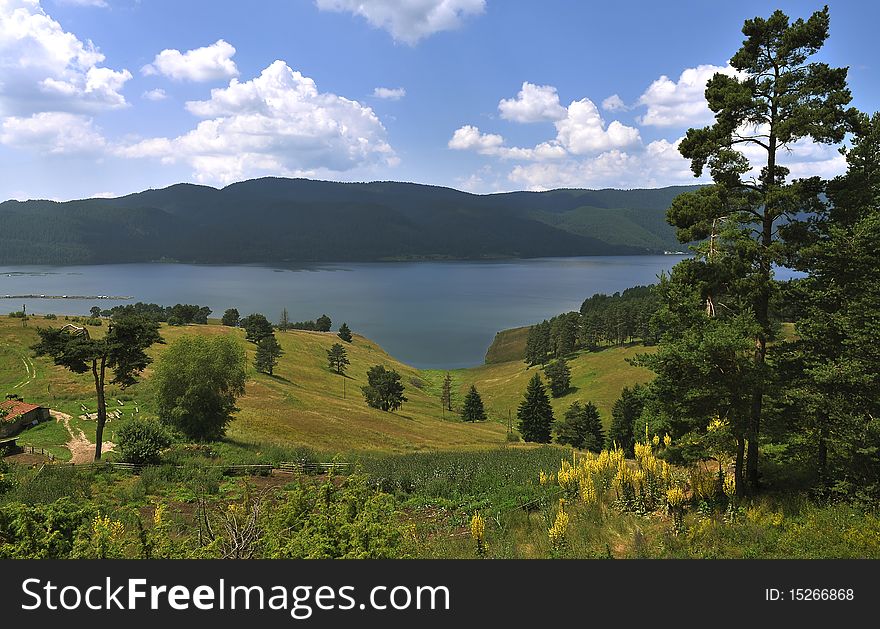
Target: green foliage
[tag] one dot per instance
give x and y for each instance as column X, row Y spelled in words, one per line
column 472, row 410
column 323, row 323
column 142, row 441
column 256, row 327
column 446, row 392
column 344, row 333
column 384, row 389
column 42, row 531
column 231, row 318
column 197, row 381
column 337, row 358
column 778, row 97
column 534, row 415
column 559, row 375
column 122, row 349
column 267, row 354
column 581, row 428
column 624, row 415
column 330, row 520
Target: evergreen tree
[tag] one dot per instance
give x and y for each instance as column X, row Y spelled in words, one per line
column 534, row 414
column 384, row 389
column 472, row 410
column 559, row 375
column 337, row 358
column 833, row 366
column 323, row 323
column 624, row 414
column 538, row 344
column 256, row 327
column 581, row 428
column 268, row 353
column 446, row 392
column 344, row 333
column 778, row 98
column 284, row 321
column 231, row 318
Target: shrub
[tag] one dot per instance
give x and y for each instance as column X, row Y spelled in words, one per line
column 141, row 441
column 50, row 316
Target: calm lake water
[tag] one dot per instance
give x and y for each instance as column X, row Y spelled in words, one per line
column 427, row 314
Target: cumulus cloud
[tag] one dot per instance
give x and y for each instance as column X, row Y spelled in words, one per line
column 408, row 21
column 53, row 133
column 583, row 130
column 659, row 164
column 45, row 68
column 389, row 93
column 680, row 103
column 208, row 63
column 277, row 123
column 156, row 94
column 614, row 103
column 533, row 103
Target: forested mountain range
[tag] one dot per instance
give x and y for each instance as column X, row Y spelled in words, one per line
column 275, row 220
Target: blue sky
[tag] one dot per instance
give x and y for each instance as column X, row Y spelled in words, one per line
column 107, row 97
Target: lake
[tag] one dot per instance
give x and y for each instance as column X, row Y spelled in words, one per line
column 427, row 314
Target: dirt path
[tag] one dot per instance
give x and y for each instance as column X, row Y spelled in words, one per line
column 30, row 372
column 81, row 449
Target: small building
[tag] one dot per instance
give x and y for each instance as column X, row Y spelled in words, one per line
column 19, row 414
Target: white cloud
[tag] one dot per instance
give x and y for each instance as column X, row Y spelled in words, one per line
column 156, row 94
column 389, row 93
column 614, row 103
column 209, row 63
column 45, row 68
column 53, row 133
column 533, row 103
column 279, row 124
column 408, row 21
column 680, row 103
column 658, row 165
column 469, row 138
column 583, row 130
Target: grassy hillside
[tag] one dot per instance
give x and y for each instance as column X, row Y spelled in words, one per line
column 508, row 345
column 303, row 403
column 598, row 377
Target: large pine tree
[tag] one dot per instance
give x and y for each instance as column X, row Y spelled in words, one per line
column 472, row 410
column 534, row 413
column 777, row 97
column 559, row 375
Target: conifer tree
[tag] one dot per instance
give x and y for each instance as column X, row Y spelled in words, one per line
column 446, row 392
column 777, row 97
column 559, row 375
column 337, row 358
column 472, row 410
column 535, row 414
column 268, row 353
column 344, row 333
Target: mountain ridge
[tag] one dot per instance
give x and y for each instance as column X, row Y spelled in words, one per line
column 279, row 220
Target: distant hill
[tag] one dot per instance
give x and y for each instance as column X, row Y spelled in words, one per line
column 274, row 220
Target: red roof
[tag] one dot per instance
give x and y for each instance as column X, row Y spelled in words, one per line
column 15, row 408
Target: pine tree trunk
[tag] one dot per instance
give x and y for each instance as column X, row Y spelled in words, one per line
column 102, row 404
column 738, row 469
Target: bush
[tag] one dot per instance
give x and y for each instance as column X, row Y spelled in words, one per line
column 50, row 316
column 141, row 441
